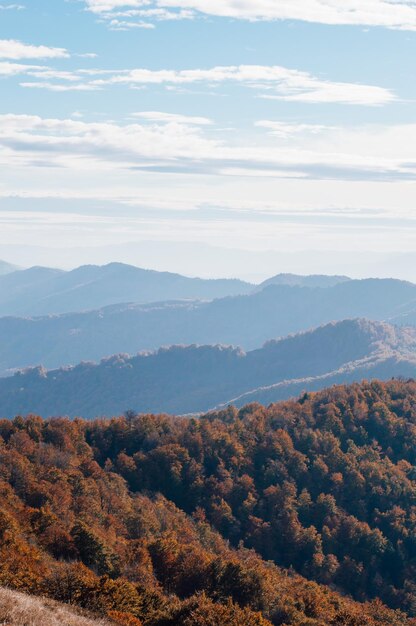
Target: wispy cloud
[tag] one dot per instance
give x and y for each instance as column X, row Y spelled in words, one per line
column 398, row 14
column 16, row 50
column 273, row 82
column 279, row 82
column 50, row 74
column 58, row 87
column 364, row 153
column 144, row 18
column 11, row 7
column 73, row 144
column 87, row 55
column 172, row 118
column 286, row 130
column 8, row 69
column 116, row 24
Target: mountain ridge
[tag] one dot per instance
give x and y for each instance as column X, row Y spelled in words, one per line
column 186, row 379
column 296, row 280
column 7, row 268
column 42, row 290
column 247, row 321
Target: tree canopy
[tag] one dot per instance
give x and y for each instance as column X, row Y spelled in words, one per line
column 302, row 513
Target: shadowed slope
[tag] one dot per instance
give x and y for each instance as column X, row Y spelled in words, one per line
column 198, row 378
column 247, row 321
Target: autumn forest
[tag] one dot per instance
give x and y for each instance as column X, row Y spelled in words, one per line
column 302, row 513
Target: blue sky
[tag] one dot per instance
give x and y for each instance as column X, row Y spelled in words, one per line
column 257, row 125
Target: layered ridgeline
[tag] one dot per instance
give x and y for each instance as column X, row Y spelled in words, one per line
column 160, row 521
column 247, row 321
column 199, row 378
column 44, row 291
column 7, row 268
column 40, row 290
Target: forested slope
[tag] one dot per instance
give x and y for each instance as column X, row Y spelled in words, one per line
column 193, row 379
column 132, row 517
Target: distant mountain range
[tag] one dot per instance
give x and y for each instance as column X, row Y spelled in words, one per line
column 44, row 291
column 7, row 268
column 294, row 280
column 407, row 318
column 196, row 379
column 247, row 321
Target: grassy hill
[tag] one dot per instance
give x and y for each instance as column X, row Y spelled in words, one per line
column 18, row 609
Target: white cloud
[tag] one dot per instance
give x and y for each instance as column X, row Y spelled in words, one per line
column 46, row 74
column 399, row 14
column 12, row 7
column 285, row 130
column 87, row 55
column 16, row 50
column 58, row 87
column 172, row 118
column 374, row 153
column 13, row 69
column 101, row 6
column 50, row 74
column 69, row 142
column 270, row 82
column 127, row 19
column 116, row 24
column 279, row 82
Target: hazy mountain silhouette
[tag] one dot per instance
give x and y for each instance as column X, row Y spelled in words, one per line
column 294, row 280
column 408, row 318
column 193, row 379
column 247, row 321
column 7, row 268
column 44, row 291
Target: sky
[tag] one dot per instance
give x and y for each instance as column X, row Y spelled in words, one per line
column 218, row 137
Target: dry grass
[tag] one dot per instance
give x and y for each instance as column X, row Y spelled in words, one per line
column 18, row 609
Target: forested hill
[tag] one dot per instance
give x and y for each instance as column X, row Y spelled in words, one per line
column 198, row 378
column 247, row 321
column 161, row 521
